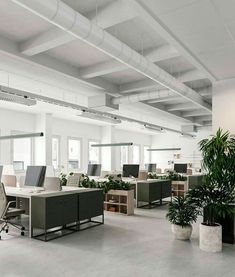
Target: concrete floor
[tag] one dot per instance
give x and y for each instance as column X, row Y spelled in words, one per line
column 140, row 245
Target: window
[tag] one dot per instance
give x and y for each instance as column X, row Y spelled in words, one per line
column 22, row 156
column 124, row 155
column 74, row 153
column 55, row 152
column 146, row 155
column 136, row 154
column 94, row 153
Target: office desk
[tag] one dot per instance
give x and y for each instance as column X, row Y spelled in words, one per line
column 26, row 193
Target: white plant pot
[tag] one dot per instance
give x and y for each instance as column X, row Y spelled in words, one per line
column 210, row 238
column 181, row 233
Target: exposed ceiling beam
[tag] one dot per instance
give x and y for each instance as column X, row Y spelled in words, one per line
column 68, row 19
column 152, row 20
column 138, row 85
column 106, row 16
column 194, row 113
column 181, row 106
column 112, row 14
column 190, row 75
column 164, row 99
column 12, row 49
column 154, row 55
column 207, row 91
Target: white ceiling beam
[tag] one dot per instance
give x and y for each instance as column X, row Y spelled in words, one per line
column 63, row 16
column 181, row 106
column 163, row 99
column 45, row 41
column 205, row 91
column 190, row 75
column 12, row 49
column 138, row 85
column 154, row 22
column 107, row 16
column 112, row 14
column 194, row 113
column 203, row 119
column 154, row 55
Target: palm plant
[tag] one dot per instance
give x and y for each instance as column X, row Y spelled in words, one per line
column 181, row 212
column 217, row 191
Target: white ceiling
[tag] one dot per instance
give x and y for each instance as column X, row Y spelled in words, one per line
column 193, row 40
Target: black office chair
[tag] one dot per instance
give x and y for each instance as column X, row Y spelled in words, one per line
column 7, row 213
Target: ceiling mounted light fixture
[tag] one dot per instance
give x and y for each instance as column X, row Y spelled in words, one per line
column 9, row 96
column 163, row 149
column 30, row 135
column 96, row 116
column 153, row 128
column 113, row 144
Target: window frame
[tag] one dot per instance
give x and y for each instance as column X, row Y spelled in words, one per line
column 59, row 150
column 80, row 154
column 88, row 152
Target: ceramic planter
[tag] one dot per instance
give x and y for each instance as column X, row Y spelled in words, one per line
column 181, row 233
column 210, row 238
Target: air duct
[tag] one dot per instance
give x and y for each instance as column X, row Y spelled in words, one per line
column 67, row 19
column 143, row 96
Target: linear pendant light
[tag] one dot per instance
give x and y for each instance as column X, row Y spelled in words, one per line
column 113, row 144
column 30, row 135
column 163, row 149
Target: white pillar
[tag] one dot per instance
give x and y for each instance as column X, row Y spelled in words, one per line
column 43, row 145
column 224, row 106
column 108, row 154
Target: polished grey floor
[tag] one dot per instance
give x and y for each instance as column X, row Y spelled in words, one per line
column 140, row 245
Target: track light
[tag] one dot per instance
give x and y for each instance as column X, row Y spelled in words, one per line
column 30, row 135
column 153, row 128
column 9, row 96
column 113, row 144
column 163, row 149
column 99, row 117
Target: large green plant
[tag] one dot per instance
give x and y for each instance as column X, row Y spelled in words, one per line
column 217, row 191
column 182, row 212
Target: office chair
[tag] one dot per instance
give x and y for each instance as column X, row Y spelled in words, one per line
column 52, row 183
column 9, row 180
column 7, row 213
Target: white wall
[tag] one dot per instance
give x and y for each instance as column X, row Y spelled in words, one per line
column 13, row 121
column 224, row 106
column 189, row 152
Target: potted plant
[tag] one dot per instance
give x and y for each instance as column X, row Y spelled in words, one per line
column 64, row 177
column 217, row 191
column 182, row 214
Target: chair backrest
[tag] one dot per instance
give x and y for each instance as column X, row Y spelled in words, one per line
column 9, row 180
column 73, row 180
column 3, row 200
column 52, row 183
column 143, row 175
column 158, row 170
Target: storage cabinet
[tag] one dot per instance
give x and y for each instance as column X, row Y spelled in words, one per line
column 120, row 201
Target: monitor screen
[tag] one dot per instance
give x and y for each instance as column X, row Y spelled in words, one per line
column 1, row 168
column 130, row 170
column 94, row 170
column 180, row 168
column 35, row 176
column 151, row 167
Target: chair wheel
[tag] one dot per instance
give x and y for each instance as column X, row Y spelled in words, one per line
column 22, row 233
column 22, row 228
column 6, row 230
column 0, row 237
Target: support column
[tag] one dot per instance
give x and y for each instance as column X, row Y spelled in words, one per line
column 224, row 106
column 108, row 154
column 43, row 145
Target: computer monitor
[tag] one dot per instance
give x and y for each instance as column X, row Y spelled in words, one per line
column 1, row 169
column 35, row 176
column 130, row 170
column 151, row 167
column 180, row 168
column 94, row 170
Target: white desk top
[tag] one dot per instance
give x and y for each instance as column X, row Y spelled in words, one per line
column 28, row 192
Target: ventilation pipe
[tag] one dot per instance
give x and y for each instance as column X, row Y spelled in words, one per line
column 143, row 96
column 67, row 19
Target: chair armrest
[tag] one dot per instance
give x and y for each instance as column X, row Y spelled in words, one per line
column 7, row 207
